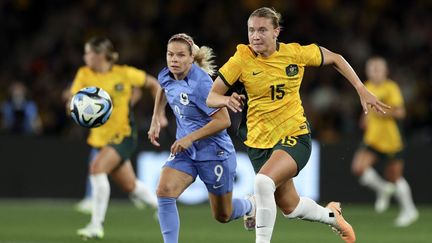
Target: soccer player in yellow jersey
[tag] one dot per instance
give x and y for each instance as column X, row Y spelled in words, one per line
column 276, row 131
column 383, row 141
column 116, row 140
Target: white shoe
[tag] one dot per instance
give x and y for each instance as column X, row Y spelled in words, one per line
column 84, row 206
column 383, row 197
column 138, row 202
column 406, row 218
column 249, row 218
column 91, row 231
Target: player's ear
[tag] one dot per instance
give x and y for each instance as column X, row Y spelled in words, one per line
column 276, row 32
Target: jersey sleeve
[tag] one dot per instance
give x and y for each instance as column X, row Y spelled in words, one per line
column 395, row 98
column 231, row 70
column 78, row 82
column 136, row 76
column 310, row 55
column 201, row 93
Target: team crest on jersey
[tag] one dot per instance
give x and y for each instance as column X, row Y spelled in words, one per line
column 291, row 70
column 184, row 99
column 119, row 87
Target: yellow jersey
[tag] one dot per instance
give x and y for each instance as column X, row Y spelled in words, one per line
column 118, row 82
column 382, row 133
column 272, row 86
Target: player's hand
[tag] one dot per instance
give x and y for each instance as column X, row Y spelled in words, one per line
column 368, row 99
column 235, row 102
column 153, row 133
column 181, row 145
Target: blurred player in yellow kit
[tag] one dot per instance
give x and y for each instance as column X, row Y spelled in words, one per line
column 116, row 140
column 383, row 141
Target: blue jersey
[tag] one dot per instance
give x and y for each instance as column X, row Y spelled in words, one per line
column 187, row 99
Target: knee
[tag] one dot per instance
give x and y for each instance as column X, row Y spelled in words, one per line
column 357, row 170
column 128, row 187
column 222, row 217
column 287, row 210
column 164, row 190
column 264, row 184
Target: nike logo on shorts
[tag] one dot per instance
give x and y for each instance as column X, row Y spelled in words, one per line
column 218, row 186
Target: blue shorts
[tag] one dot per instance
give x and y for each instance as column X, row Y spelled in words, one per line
column 218, row 176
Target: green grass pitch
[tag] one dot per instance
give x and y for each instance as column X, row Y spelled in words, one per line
column 55, row 221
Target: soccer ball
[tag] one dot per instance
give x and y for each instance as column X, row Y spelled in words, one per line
column 91, row 107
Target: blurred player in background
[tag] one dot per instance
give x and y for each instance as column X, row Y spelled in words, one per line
column 276, row 130
column 203, row 146
column 383, row 141
column 116, row 140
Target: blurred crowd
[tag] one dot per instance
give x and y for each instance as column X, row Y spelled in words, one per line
column 42, row 45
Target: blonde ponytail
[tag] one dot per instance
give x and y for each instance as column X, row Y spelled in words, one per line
column 204, row 58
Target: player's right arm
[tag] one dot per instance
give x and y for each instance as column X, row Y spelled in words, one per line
column 218, row 99
column 158, row 112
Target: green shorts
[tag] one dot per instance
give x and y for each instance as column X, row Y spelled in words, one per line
column 299, row 147
column 384, row 156
column 127, row 147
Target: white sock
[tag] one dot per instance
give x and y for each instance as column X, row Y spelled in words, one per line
column 100, row 197
column 308, row 209
column 403, row 195
column 265, row 208
column 144, row 193
column 371, row 179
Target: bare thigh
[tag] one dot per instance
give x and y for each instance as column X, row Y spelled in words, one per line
column 105, row 161
column 281, row 167
column 363, row 159
column 172, row 183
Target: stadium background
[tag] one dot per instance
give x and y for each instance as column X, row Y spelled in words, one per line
column 42, row 46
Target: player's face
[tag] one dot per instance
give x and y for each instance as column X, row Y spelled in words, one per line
column 92, row 59
column 179, row 59
column 262, row 35
column 376, row 70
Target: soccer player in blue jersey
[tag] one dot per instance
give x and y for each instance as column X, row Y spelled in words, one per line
column 203, row 146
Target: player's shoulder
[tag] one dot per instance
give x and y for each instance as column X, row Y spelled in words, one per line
column 199, row 77
column 294, row 46
column 122, row 68
column 245, row 50
column 84, row 70
column 392, row 83
column 163, row 75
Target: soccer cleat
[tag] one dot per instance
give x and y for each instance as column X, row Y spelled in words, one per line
column 406, row 218
column 383, row 197
column 84, row 206
column 342, row 227
column 249, row 218
column 91, row 231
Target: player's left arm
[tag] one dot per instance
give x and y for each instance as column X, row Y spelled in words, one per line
column 220, row 121
column 153, row 85
column 367, row 99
